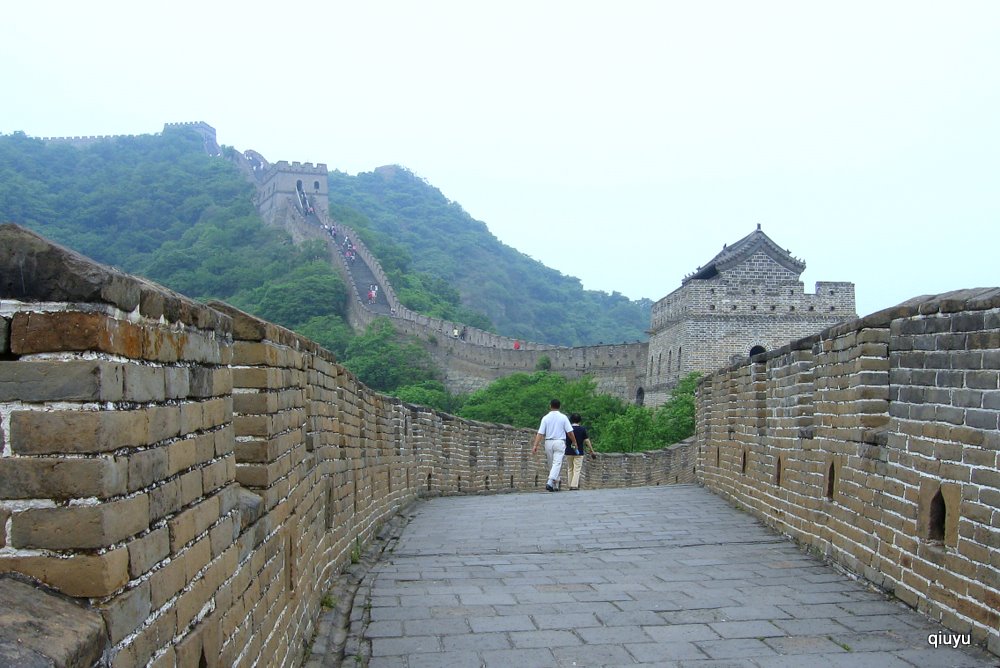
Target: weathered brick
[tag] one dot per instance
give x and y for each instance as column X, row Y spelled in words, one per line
column 146, row 467
column 4, row 516
column 61, row 478
column 80, row 527
column 144, row 384
column 77, row 432
column 82, row 575
column 166, row 581
column 4, row 335
column 164, row 422
column 74, row 331
column 127, row 612
column 146, row 552
column 68, row 380
column 185, row 526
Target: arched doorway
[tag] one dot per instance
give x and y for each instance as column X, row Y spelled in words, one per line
column 757, row 350
column 640, row 396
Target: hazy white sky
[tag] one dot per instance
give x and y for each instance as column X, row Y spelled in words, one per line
column 621, row 142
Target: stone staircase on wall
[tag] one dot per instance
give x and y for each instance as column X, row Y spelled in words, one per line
column 479, row 358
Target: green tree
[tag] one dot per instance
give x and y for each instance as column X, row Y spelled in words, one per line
column 675, row 418
column 383, row 362
column 430, row 393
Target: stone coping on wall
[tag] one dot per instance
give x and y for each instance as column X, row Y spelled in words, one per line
column 34, row 269
column 968, row 299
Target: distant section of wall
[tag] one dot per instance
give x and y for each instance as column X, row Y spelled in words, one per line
column 876, row 443
column 196, row 477
column 206, row 131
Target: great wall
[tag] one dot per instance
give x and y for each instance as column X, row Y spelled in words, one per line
column 180, row 482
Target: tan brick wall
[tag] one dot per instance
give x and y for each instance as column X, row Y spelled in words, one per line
column 876, row 443
column 199, row 476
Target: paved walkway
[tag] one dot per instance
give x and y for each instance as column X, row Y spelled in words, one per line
column 656, row 576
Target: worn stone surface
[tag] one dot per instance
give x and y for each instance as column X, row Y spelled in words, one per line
column 33, row 268
column 478, row 581
column 42, row 629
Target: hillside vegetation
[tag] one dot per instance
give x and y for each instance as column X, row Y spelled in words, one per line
column 159, row 207
column 415, row 229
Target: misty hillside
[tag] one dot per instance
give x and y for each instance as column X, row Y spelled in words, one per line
column 158, row 206
column 413, row 227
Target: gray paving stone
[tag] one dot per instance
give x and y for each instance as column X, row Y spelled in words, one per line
column 618, row 634
column 502, row 623
column 873, row 623
column 528, row 639
column 444, row 626
column 681, row 633
column 476, row 642
column 803, row 645
column 666, row 577
column 810, row 626
column 408, row 645
column 753, row 629
column 736, row 648
column 567, row 621
column 659, row 653
column 388, row 629
column 518, row 658
column 463, row 659
column 593, row 655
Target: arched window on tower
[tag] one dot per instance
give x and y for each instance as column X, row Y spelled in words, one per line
column 678, row 358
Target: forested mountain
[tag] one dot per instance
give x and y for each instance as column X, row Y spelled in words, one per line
column 415, row 229
column 158, row 206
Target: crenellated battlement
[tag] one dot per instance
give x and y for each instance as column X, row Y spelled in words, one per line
column 206, row 131
column 299, row 168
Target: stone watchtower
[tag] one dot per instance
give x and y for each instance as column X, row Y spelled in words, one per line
column 746, row 300
column 296, row 184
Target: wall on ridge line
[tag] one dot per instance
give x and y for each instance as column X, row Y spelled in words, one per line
column 482, row 357
column 876, row 443
column 195, row 477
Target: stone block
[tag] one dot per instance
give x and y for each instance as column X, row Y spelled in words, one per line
column 194, row 521
column 127, row 612
column 68, row 380
column 165, row 582
column 146, row 467
column 164, row 499
column 80, row 527
column 76, row 432
column 164, row 423
column 4, row 336
column 4, row 516
column 61, row 478
column 38, row 624
column 80, row 575
column 146, row 552
column 74, row 331
column 144, row 384
column 176, row 382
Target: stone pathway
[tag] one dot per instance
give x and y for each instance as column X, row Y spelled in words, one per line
column 656, row 576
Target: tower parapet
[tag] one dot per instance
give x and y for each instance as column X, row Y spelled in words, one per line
column 746, row 300
column 305, row 182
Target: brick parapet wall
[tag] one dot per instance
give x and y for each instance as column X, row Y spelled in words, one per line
column 876, row 443
column 198, row 476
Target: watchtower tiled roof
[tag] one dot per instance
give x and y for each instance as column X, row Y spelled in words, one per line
column 731, row 255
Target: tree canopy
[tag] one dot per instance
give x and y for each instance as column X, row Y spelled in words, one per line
column 421, row 236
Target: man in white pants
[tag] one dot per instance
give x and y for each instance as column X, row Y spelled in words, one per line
column 555, row 429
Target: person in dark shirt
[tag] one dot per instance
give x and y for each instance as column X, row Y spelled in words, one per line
column 574, row 452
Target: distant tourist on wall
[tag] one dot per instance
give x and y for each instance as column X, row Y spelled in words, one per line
column 517, row 345
column 575, row 453
column 555, row 429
